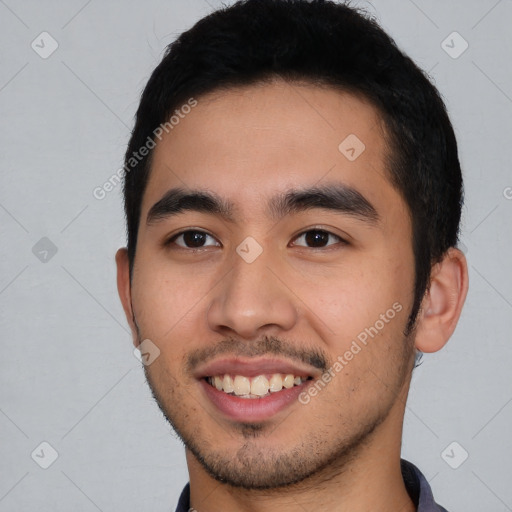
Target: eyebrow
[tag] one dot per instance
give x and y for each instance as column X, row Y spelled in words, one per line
column 178, row 200
column 335, row 197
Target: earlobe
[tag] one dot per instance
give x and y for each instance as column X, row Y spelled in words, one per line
column 124, row 289
column 443, row 301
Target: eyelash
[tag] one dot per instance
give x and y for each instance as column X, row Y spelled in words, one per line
column 171, row 241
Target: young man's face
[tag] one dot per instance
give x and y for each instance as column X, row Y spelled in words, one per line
column 330, row 285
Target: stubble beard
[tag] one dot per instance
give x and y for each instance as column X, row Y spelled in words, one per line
column 320, row 456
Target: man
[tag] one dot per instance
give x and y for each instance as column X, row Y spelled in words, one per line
column 293, row 197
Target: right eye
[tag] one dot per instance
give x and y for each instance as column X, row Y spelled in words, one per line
column 192, row 239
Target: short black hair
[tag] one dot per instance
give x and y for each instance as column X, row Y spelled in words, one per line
column 324, row 43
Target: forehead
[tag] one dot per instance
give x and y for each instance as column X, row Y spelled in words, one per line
column 247, row 143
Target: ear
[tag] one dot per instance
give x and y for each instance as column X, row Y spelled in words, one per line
column 443, row 301
column 124, row 290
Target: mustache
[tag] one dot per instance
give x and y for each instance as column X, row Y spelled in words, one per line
column 268, row 345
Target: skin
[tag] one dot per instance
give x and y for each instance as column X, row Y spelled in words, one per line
column 341, row 451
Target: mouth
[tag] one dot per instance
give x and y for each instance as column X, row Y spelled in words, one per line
column 249, row 390
column 257, row 387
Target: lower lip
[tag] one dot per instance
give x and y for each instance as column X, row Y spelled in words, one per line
column 252, row 409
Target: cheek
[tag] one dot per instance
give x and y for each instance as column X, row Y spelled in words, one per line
column 167, row 299
column 167, row 306
column 349, row 301
column 363, row 313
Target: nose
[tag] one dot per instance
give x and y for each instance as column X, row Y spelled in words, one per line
column 251, row 298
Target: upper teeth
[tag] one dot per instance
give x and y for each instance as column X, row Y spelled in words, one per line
column 255, row 387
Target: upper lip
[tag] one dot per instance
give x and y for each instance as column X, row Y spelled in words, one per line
column 252, row 367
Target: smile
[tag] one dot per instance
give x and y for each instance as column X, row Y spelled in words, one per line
column 259, row 386
column 253, row 389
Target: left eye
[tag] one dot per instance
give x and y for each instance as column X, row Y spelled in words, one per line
column 193, row 239
column 316, row 238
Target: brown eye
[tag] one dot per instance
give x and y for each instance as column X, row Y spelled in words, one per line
column 193, row 239
column 316, row 238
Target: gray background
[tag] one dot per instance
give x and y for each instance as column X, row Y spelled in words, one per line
column 68, row 375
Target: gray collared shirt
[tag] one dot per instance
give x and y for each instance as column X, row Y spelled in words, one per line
column 416, row 484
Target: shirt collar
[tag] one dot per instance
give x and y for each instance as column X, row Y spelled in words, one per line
column 418, row 488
